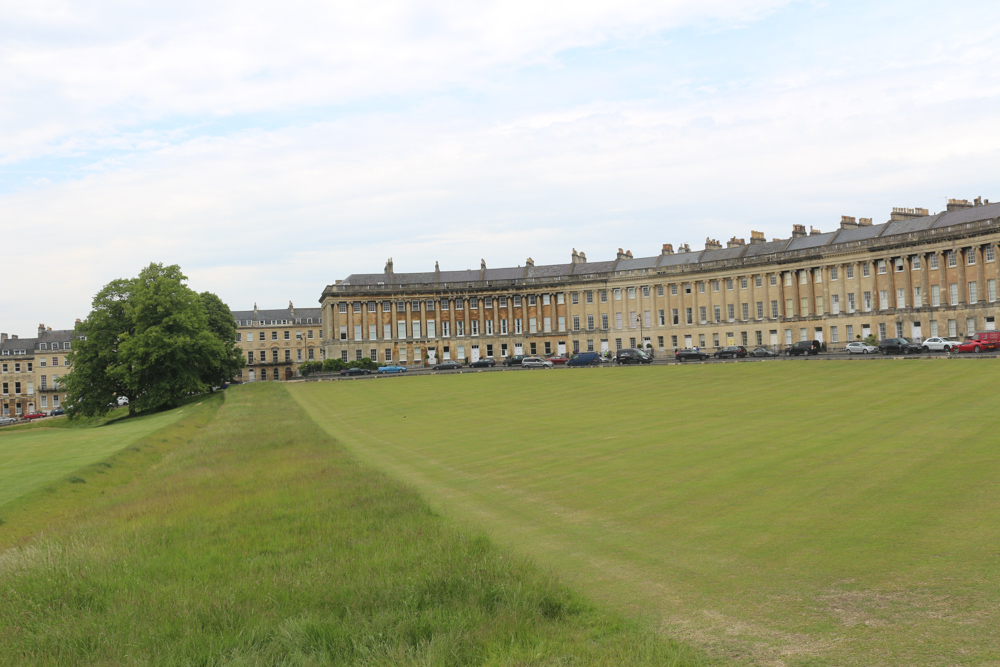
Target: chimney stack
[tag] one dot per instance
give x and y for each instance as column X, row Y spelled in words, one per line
column 482, row 269
column 291, row 311
column 813, row 231
column 3, row 336
column 684, row 247
column 41, row 329
column 899, row 213
column 757, row 237
column 712, row 244
column 736, row 243
column 864, row 222
column 529, row 262
column 668, row 249
column 578, row 257
column 848, row 222
column 798, row 231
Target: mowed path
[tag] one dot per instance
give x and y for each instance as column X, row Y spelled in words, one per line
column 772, row 513
column 33, row 458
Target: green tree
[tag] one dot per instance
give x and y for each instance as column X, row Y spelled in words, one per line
column 306, row 368
column 153, row 340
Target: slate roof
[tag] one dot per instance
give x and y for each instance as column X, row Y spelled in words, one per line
column 279, row 314
column 679, row 259
column 12, row 345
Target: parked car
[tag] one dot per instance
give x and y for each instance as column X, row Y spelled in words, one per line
column 447, row 366
column 898, row 346
column 585, row 359
column 558, row 360
column 939, row 344
column 731, row 352
column 483, row 362
column 56, row 412
column 536, row 362
column 34, row 415
column 355, row 371
column 763, row 352
column 7, row 420
column 514, row 360
column 983, row 341
column 691, row 353
column 804, row 347
column 631, row 355
column 860, row 347
column 392, row 369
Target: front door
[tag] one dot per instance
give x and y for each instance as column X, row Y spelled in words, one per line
column 819, row 334
column 916, row 332
column 562, row 349
column 475, row 353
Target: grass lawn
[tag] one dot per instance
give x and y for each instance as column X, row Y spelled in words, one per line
column 243, row 534
column 812, row 513
column 37, row 456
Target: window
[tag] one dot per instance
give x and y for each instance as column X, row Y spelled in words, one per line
column 647, row 319
column 687, row 288
column 731, row 311
column 343, row 306
column 953, row 294
column 988, row 253
column 460, row 328
column 618, row 320
column 970, row 327
column 867, row 300
column 633, row 321
column 865, row 270
column 274, row 356
column 918, row 297
column 309, row 334
column 833, row 335
column 575, row 298
column 833, row 273
column 518, row 328
column 970, row 256
column 474, row 303
column 503, row 302
column 673, row 289
column 343, row 332
column 546, row 324
column 274, row 335
column 804, row 306
column 357, row 332
column 991, row 290
column 474, row 327
column 460, row 304
column 881, row 330
column 576, row 323
column 788, row 279
column 590, row 322
column 604, row 321
column 729, row 284
column 952, row 259
column 849, row 271
column 835, row 304
column 900, row 297
column 589, row 295
column 702, row 315
column 546, row 299
column 673, row 314
column 933, row 261
column 503, row 326
column 488, row 301
column 659, row 292
column 618, row 294
column 881, row 266
column 883, row 299
column 803, row 277
column 356, row 308
column 716, row 314
column 343, row 355
column 760, row 310
column 604, row 296
column 631, row 292
column 431, row 328
column 701, row 288
column 661, row 318
column 532, row 325
column 715, row 285
column 935, row 295
column 973, row 292
column 288, row 355
column 774, row 280
column 789, row 308
column 952, row 328
column 401, row 329
column 774, row 308
column 743, row 283
column 561, row 323
column 745, row 309
column 532, row 299
column 850, row 332
column 758, row 281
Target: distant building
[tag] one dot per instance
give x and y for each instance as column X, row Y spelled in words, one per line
column 917, row 275
column 30, row 369
column 276, row 341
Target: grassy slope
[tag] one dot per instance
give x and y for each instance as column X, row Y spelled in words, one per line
column 250, row 537
column 38, row 455
column 804, row 513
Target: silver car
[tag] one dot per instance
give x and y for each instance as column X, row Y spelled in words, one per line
column 939, row 344
column 857, row 347
column 7, row 420
column 536, row 362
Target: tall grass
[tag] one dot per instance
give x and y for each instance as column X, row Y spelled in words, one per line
column 255, row 539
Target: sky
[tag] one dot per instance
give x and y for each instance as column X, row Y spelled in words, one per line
column 270, row 149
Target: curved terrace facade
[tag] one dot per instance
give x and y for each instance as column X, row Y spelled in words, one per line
column 917, row 275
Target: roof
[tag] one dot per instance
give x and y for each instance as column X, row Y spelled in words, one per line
column 753, row 251
column 25, row 345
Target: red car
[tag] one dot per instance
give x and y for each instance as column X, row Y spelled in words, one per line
column 34, row 415
column 559, row 360
column 981, row 342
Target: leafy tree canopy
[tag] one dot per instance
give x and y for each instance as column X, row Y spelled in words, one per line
column 153, row 340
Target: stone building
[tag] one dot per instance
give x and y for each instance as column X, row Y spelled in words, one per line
column 275, row 342
column 30, row 369
column 916, row 275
